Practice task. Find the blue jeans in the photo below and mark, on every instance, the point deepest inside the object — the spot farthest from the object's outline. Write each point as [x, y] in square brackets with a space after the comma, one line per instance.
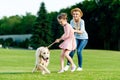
[81, 43]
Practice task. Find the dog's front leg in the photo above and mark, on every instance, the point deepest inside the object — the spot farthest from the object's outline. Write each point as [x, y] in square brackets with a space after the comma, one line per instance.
[45, 69]
[34, 69]
[43, 72]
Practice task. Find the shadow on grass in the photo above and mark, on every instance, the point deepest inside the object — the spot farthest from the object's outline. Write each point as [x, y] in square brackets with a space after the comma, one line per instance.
[16, 73]
[24, 72]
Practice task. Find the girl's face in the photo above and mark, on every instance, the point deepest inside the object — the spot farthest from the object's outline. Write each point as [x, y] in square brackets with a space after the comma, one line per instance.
[76, 15]
[62, 21]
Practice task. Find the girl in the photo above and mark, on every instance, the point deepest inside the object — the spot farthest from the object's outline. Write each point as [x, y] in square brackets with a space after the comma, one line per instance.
[69, 42]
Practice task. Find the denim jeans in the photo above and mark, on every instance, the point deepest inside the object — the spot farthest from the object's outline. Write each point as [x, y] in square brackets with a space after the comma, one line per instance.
[81, 43]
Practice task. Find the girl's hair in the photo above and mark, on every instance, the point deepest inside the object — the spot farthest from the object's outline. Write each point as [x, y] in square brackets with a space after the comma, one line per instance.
[62, 16]
[77, 9]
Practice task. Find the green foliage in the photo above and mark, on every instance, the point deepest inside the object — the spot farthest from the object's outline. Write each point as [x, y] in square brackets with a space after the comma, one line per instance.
[27, 22]
[1, 41]
[41, 29]
[24, 44]
[102, 22]
[7, 42]
[17, 24]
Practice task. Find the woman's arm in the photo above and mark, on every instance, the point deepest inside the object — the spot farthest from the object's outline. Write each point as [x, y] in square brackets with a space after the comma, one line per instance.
[82, 28]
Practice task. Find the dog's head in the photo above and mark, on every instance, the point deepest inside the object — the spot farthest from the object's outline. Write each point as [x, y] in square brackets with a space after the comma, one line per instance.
[44, 53]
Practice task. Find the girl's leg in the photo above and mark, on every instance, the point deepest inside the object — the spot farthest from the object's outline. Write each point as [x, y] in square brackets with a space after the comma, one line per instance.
[66, 53]
[73, 52]
[71, 55]
[62, 59]
[68, 63]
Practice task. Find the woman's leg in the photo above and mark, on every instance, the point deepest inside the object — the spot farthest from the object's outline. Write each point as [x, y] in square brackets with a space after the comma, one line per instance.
[81, 46]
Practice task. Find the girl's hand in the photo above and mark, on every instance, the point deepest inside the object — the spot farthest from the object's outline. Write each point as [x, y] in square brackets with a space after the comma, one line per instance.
[57, 40]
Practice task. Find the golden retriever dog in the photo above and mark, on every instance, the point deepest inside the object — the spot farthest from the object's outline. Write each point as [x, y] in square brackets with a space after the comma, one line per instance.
[42, 60]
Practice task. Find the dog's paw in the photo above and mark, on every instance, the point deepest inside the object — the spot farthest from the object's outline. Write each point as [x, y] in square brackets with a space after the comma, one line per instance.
[33, 70]
[43, 72]
[49, 72]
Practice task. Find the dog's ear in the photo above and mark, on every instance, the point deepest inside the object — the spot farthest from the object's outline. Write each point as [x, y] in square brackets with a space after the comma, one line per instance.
[46, 47]
[48, 51]
[40, 51]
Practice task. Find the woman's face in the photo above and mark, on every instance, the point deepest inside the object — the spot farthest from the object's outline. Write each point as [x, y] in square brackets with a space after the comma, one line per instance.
[76, 15]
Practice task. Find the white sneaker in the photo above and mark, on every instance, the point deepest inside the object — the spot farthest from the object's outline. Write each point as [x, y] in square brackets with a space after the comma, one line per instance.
[79, 69]
[73, 68]
[66, 68]
[61, 71]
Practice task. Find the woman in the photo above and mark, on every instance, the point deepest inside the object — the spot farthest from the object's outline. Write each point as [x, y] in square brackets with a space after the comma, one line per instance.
[80, 34]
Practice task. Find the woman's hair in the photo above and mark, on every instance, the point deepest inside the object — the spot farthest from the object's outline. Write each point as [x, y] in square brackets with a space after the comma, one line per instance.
[77, 9]
[62, 16]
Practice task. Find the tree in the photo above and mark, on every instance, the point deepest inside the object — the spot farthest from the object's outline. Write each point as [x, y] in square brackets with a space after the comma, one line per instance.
[8, 24]
[27, 22]
[41, 29]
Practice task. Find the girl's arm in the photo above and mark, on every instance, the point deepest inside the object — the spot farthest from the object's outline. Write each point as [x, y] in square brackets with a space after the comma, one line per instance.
[66, 32]
[65, 35]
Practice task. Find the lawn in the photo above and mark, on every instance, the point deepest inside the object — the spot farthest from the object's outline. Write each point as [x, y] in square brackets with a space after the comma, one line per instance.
[17, 64]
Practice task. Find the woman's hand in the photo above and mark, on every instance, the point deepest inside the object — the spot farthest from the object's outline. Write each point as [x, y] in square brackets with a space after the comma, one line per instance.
[78, 31]
[75, 30]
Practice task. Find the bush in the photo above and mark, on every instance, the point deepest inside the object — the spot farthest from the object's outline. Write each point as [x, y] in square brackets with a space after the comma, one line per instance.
[8, 42]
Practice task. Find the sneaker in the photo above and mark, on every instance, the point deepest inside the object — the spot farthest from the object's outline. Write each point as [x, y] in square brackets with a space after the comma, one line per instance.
[61, 71]
[66, 68]
[79, 69]
[73, 68]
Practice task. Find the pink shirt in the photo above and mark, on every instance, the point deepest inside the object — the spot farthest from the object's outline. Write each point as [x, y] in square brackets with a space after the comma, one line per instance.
[69, 38]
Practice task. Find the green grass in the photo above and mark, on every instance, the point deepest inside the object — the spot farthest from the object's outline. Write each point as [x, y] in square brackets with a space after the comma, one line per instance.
[17, 64]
